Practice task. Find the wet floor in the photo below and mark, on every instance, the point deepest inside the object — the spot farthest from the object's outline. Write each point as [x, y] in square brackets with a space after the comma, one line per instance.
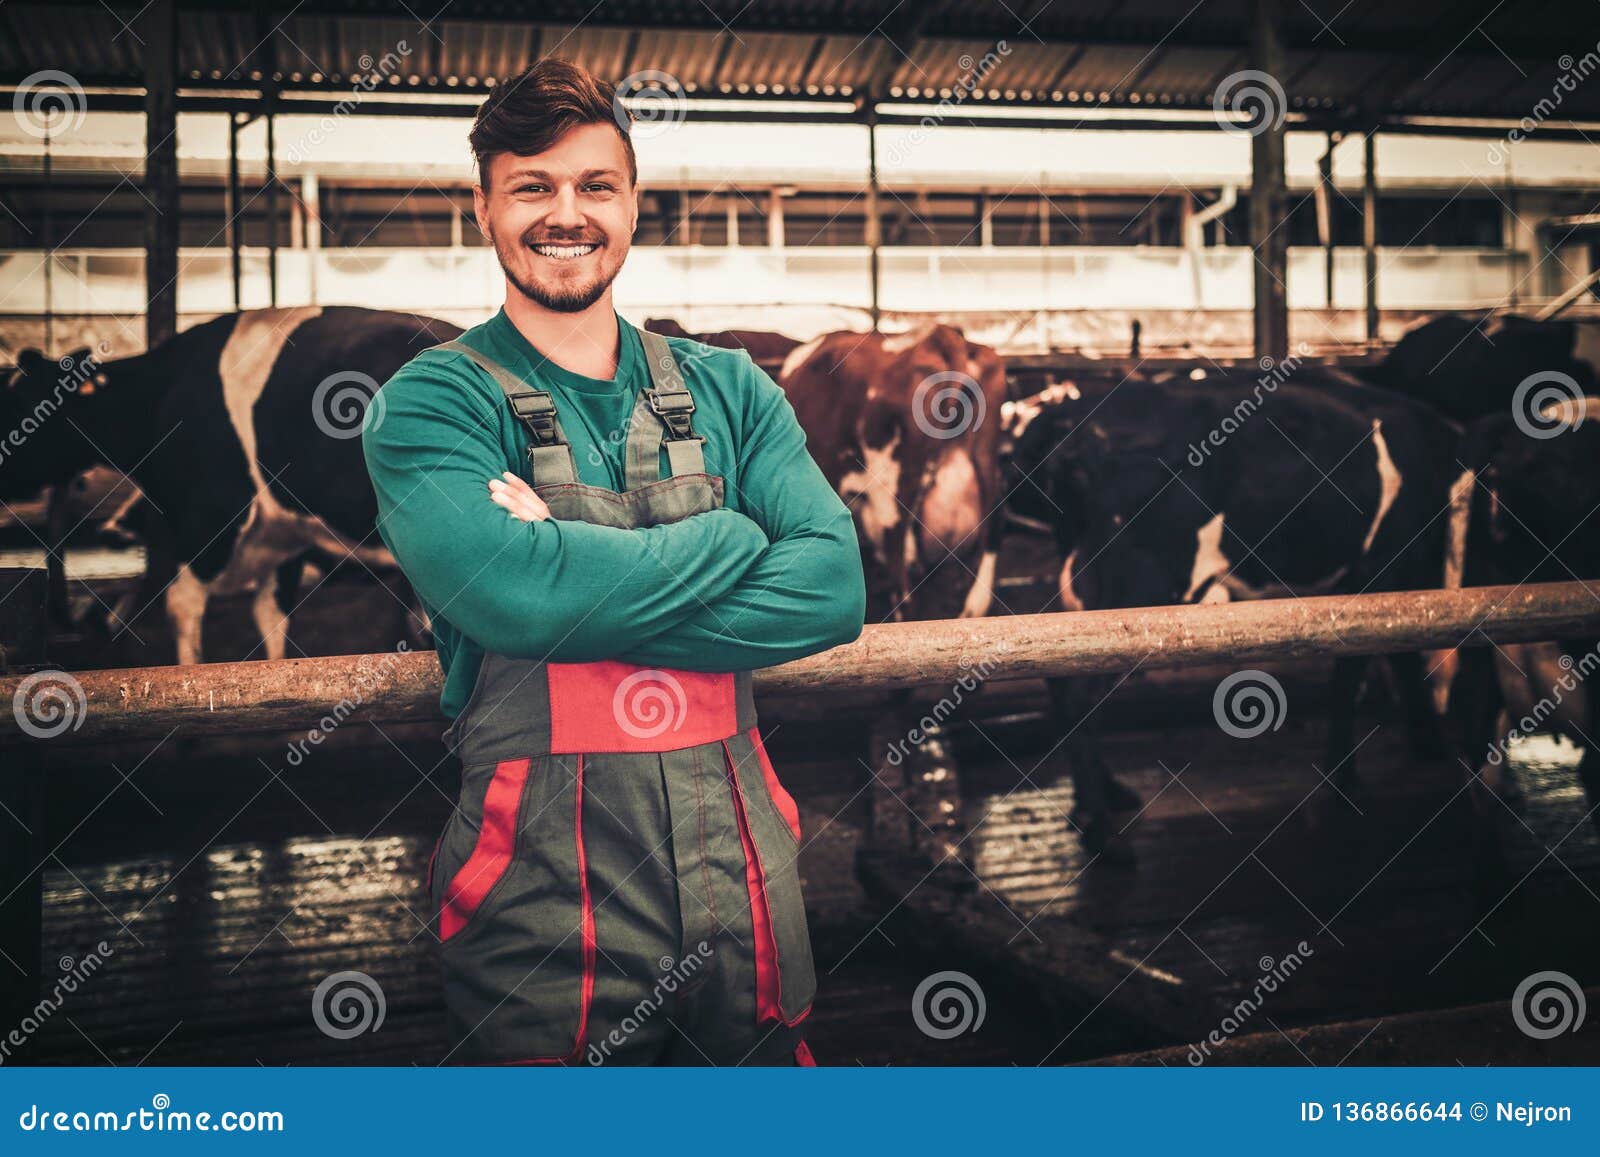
[228, 887]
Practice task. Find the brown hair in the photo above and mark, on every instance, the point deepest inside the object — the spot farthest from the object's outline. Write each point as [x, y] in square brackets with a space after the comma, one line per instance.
[534, 109]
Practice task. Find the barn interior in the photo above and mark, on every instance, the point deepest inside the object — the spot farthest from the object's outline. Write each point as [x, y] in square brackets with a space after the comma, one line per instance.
[1135, 191]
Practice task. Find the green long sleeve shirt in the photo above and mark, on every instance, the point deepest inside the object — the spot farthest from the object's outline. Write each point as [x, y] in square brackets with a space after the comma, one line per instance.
[773, 576]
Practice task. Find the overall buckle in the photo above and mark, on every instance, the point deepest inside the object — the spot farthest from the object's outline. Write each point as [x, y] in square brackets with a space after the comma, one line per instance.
[538, 410]
[673, 407]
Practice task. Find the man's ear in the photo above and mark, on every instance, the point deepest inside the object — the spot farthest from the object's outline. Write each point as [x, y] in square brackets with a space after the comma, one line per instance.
[634, 227]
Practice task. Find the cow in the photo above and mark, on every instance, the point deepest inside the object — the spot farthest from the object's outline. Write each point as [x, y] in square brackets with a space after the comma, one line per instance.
[765, 347]
[242, 435]
[1300, 482]
[1526, 508]
[1471, 367]
[907, 428]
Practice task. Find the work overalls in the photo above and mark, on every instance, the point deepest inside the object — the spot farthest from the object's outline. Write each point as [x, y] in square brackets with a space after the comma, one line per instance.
[619, 882]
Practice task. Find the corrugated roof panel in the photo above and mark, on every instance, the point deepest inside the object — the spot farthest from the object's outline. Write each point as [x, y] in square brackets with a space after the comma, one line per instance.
[1107, 68]
[1423, 56]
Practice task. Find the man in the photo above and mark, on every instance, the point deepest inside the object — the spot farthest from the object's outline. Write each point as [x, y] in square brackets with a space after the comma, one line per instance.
[609, 530]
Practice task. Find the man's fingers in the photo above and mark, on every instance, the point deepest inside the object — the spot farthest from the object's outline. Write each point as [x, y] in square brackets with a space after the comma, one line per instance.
[521, 502]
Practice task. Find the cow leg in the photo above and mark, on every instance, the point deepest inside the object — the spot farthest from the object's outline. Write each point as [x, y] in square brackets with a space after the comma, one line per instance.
[273, 604]
[981, 596]
[186, 610]
[1346, 686]
[1422, 716]
[1094, 788]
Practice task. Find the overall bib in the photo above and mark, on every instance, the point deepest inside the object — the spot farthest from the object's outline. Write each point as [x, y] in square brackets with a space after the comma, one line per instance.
[619, 881]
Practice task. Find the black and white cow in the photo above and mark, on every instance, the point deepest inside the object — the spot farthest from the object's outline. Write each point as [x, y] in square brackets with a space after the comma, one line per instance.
[1470, 366]
[243, 436]
[1237, 486]
[1527, 510]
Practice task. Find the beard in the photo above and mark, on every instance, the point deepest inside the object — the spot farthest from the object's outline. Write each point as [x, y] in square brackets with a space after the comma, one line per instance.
[559, 296]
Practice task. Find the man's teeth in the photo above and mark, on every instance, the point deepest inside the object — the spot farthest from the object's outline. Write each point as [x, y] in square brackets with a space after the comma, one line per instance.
[564, 251]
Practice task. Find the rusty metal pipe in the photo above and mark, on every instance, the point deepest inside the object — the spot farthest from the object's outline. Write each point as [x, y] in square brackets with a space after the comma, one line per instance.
[288, 694]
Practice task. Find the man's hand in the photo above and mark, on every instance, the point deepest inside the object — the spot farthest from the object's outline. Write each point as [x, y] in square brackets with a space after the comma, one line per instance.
[518, 498]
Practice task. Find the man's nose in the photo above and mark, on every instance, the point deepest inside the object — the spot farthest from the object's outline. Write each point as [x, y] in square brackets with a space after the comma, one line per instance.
[564, 212]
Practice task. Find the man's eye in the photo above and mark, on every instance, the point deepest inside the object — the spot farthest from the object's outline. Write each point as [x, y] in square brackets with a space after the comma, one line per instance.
[531, 189]
[601, 188]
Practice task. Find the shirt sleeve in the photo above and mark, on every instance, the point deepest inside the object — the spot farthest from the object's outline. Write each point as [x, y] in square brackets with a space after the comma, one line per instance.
[806, 592]
[560, 590]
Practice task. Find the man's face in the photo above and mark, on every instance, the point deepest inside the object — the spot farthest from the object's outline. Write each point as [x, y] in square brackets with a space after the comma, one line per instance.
[561, 221]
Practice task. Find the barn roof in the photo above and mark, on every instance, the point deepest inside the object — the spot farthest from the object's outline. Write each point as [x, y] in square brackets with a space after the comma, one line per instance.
[1361, 60]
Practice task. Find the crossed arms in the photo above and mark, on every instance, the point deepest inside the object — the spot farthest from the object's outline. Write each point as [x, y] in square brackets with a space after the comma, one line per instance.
[732, 589]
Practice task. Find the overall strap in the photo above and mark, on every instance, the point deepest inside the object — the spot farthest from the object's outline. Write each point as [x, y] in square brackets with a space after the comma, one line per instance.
[661, 416]
[549, 453]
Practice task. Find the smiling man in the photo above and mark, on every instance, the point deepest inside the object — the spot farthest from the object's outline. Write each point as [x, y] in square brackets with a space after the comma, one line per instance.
[609, 530]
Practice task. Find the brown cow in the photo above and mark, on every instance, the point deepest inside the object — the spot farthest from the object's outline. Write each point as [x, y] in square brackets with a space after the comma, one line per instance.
[764, 347]
[907, 427]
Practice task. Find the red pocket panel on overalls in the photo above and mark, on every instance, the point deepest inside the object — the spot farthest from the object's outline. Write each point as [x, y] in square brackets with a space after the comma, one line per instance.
[781, 799]
[491, 855]
[615, 706]
[782, 950]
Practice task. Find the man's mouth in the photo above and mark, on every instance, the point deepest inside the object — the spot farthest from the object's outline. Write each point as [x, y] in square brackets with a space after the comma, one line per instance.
[564, 252]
